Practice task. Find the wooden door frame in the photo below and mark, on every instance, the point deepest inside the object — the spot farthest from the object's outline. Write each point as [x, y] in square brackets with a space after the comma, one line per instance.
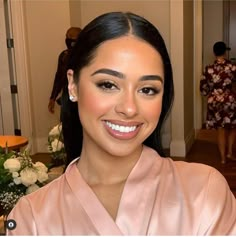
[22, 70]
[226, 11]
[6, 109]
[198, 41]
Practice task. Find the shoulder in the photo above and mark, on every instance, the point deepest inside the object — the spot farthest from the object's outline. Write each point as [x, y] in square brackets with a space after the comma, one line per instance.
[200, 173]
[35, 207]
[42, 204]
[46, 192]
[185, 166]
[218, 204]
[185, 175]
[182, 169]
[207, 189]
[230, 63]
[206, 181]
[53, 190]
[192, 180]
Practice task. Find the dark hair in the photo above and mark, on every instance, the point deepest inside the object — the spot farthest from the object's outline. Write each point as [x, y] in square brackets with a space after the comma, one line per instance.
[114, 25]
[220, 48]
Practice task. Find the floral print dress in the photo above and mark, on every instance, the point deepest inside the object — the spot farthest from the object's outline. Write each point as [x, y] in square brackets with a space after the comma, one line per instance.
[217, 84]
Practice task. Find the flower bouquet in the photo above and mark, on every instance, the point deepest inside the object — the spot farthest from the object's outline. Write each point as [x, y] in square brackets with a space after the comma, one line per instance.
[19, 176]
[56, 146]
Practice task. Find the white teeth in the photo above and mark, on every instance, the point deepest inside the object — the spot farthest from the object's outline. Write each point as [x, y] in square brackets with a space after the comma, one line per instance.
[119, 128]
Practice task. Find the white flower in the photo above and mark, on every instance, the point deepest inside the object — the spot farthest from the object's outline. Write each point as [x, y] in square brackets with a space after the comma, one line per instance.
[210, 100]
[19, 175]
[12, 165]
[15, 174]
[210, 70]
[57, 145]
[42, 176]
[40, 166]
[17, 180]
[227, 68]
[28, 176]
[32, 188]
[55, 130]
[50, 147]
[227, 120]
[216, 78]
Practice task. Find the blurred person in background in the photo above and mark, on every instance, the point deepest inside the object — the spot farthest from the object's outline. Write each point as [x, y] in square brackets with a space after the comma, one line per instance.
[217, 84]
[69, 110]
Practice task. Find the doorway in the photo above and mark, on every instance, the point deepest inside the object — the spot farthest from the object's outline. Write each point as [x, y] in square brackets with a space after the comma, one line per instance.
[6, 105]
[229, 27]
[15, 115]
[12, 68]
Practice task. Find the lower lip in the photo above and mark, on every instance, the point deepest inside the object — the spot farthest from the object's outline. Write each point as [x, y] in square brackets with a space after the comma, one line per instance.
[122, 135]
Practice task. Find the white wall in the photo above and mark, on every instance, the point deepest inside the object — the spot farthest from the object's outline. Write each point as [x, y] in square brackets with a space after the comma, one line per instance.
[75, 13]
[156, 11]
[189, 133]
[213, 28]
[212, 32]
[46, 23]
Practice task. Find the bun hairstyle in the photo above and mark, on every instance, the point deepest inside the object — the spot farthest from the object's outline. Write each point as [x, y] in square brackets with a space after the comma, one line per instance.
[220, 48]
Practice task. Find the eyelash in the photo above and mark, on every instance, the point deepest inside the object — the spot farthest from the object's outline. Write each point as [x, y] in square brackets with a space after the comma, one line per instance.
[110, 86]
[107, 85]
[151, 91]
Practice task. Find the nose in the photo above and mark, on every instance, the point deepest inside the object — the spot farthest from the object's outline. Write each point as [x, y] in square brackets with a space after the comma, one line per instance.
[127, 105]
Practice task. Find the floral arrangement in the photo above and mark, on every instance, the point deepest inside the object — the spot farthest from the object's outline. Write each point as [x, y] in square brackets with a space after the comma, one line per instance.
[56, 145]
[19, 176]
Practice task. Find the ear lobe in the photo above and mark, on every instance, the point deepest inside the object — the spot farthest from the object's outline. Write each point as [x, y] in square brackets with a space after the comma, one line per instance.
[72, 87]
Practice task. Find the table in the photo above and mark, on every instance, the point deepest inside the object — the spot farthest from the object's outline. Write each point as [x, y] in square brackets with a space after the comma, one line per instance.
[2, 231]
[13, 142]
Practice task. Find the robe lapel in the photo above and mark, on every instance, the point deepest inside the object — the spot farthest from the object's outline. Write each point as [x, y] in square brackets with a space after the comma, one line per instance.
[136, 202]
[98, 215]
[139, 194]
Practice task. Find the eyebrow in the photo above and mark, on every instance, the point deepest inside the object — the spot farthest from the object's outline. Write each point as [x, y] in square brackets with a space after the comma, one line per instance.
[109, 72]
[122, 76]
[152, 78]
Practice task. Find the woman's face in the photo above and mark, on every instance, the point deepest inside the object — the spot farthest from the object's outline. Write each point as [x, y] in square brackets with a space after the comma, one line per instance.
[120, 95]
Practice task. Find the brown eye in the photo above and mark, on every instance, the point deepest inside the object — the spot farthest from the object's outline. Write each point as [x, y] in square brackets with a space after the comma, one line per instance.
[149, 91]
[107, 85]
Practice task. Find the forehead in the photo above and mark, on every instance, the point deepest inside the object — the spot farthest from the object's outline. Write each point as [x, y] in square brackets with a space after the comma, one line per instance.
[127, 43]
[128, 49]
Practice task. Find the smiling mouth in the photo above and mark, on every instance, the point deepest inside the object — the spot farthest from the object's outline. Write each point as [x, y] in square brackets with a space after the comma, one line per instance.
[121, 128]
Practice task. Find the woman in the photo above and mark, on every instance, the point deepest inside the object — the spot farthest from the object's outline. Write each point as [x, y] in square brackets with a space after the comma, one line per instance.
[217, 85]
[120, 185]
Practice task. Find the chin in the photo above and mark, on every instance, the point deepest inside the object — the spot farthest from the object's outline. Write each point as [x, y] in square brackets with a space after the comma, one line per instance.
[123, 151]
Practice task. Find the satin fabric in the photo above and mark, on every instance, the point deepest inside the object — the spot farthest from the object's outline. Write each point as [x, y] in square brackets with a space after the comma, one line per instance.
[160, 197]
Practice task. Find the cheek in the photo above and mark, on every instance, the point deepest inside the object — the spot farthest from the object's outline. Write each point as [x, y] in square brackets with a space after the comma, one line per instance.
[152, 111]
[92, 103]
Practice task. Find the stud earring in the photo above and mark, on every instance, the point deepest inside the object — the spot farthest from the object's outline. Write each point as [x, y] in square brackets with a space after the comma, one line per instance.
[72, 98]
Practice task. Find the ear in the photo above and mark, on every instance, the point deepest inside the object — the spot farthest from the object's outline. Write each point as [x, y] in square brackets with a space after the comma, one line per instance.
[72, 86]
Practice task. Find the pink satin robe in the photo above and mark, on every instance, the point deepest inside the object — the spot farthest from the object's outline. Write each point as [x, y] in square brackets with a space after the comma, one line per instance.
[160, 197]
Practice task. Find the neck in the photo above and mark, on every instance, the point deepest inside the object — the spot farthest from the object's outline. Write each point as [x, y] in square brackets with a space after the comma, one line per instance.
[97, 166]
[220, 58]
